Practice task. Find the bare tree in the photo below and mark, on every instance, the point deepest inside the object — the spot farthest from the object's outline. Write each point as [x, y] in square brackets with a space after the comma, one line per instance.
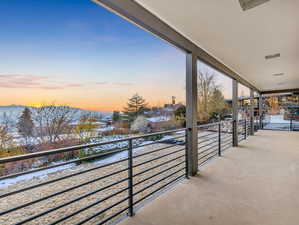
[53, 123]
[210, 98]
[5, 137]
[86, 128]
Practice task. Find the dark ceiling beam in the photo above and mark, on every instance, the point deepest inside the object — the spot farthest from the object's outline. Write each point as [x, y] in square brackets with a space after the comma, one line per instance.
[138, 15]
[280, 91]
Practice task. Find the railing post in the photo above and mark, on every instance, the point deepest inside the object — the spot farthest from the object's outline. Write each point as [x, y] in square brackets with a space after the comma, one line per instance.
[191, 113]
[235, 113]
[261, 110]
[251, 112]
[130, 178]
[245, 134]
[186, 157]
[291, 122]
[219, 139]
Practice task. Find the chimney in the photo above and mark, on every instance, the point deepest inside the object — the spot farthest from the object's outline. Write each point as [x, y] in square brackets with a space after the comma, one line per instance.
[173, 100]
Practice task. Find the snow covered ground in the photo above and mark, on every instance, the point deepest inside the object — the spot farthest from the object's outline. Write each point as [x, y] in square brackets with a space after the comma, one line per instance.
[39, 174]
[117, 156]
[278, 122]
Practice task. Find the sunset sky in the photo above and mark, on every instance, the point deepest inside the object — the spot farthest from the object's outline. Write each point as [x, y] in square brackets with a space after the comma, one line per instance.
[79, 54]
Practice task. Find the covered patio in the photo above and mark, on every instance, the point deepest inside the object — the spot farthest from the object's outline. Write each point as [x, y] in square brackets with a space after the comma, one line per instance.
[255, 183]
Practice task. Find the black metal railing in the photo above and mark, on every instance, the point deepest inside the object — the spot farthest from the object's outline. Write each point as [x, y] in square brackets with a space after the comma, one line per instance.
[93, 192]
[280, 123]
[104, 186]
[243, 130]
[213, 139]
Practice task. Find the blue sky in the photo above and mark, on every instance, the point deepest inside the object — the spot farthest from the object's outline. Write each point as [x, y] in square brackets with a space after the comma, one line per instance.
[80, 54]
[60, 49]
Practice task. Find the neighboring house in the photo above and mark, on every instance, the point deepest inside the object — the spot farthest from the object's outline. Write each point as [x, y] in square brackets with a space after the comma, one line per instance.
[159, 122]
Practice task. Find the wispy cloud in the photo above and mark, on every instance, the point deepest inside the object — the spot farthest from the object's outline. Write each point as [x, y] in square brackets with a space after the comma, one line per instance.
[101, 83]
[75, 85]
[21, 81]
[122, 84]
[114, 83]
[31, 82]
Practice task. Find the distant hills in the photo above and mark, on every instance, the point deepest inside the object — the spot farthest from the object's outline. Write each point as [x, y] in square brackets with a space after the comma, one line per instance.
[14, 111]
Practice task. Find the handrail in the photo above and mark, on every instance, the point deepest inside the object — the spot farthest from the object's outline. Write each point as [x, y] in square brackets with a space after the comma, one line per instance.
[209, 124]
[78, 147]
[160, 164]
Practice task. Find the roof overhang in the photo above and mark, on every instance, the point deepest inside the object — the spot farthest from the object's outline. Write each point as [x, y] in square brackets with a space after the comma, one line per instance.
[221, 34]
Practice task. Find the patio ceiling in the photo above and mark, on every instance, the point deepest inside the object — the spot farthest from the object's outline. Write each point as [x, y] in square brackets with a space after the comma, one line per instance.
[240, 39]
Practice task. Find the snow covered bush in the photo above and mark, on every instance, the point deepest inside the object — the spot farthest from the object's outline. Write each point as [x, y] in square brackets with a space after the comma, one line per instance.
[107, 147]
[140, 124]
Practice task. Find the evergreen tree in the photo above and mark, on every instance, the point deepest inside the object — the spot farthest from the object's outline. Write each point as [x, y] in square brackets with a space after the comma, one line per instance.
[25, 124]
[136, 106]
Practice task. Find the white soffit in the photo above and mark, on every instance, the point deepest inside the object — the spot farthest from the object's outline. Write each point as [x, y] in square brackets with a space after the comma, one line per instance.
[241, 39]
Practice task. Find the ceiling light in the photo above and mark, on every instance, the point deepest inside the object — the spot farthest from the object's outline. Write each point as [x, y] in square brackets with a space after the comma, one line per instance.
[249, 4]
[272, 56]
[278, 74]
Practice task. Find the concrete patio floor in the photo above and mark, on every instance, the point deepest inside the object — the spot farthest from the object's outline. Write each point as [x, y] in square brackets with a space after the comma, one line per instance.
[255, 183]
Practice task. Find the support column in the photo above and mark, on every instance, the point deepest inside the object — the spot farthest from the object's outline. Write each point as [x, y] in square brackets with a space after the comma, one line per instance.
[251, 112]
[191, 114]
[260, 111]
[235, 113]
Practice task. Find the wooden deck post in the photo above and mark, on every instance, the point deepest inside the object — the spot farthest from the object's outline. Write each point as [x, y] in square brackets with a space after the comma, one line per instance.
[251, 112]
[191, 114]
[235, 112]
[260, 111]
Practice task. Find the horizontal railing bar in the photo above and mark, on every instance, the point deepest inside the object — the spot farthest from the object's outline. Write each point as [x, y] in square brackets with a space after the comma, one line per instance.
[203, 146]
[226, 132]
[156, 150]
[66, 163]
[102, 211]
[205, 140]
[161, 164]
[163, 186]
[91, 205]
[159, 141]
[206, 155]
[55, 180]
[113, 215]
[226, 138]
[208, 141]
[201, 136]
[56, 151]
[208, 149]
[78, 147]
[158, 181]
[63, 191]
[163, 171]
[227, 141]
[209, 124]
[159, 157]
[227, 146]
[201, 163]
[67, 203]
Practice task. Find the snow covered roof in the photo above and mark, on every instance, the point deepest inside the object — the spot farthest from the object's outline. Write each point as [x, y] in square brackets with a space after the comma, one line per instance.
[158, 119]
